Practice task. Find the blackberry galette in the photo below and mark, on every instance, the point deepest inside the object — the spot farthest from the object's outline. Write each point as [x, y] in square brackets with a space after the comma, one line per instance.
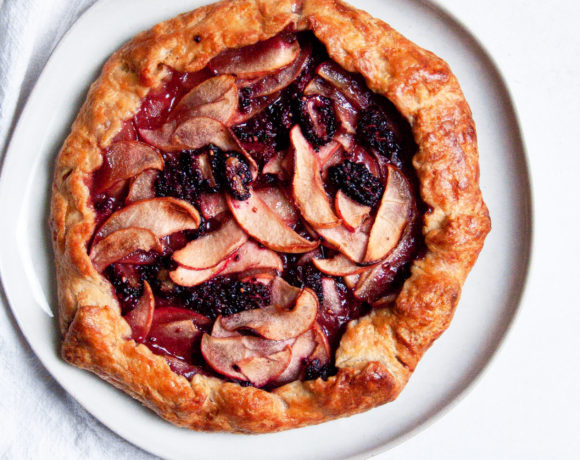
[264, 215]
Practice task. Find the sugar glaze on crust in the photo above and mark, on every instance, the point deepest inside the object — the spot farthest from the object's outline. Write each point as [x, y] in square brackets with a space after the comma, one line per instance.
[379, 351]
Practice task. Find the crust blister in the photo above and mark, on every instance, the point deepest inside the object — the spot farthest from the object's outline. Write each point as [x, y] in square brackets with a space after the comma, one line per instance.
[378, 352]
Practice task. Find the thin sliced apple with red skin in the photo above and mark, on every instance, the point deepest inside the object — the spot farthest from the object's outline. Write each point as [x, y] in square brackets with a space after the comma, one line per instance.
[141, 317]
[332, 301]
[302, 348]
[161, 216]
[189, 278]
[142, 187]
[213, 248]
[309, 194]
[279, 80]
[212, 204]
[224, 353]
[252, 257]
[198, 132]
[352, 213]
[277, 201]
[309, 346]
[392, 217]
[261, 370]
[261, 223]
[220, 332]
[352, 244]
[257, 60]
[347, 115]
[175, 338]
[339, 265]
[161, 137]
[346, 84]
[124, 160]
[322, 352]
[283, 293]
[215, 98]
[120, 244]
[256, 106]
[276, 323]
[279, 166]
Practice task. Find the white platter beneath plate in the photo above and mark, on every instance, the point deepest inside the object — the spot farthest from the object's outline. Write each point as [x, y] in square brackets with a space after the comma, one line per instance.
[489, 301]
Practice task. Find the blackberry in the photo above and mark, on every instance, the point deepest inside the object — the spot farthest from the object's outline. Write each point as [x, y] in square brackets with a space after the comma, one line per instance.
[269, 128]
[357, 182]
[317, 119]
[225, 296]
[306, 275]
[127, 284]
[375, 131]
[315, 369]
[233, 171]
[180, 177]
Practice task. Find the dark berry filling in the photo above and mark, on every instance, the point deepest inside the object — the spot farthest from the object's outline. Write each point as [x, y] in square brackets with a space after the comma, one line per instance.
[357, 182]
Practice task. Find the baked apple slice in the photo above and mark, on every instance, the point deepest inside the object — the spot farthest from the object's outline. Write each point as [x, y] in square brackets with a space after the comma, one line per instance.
[224, 354]
[277, 201]
[213, 248]
[124, 160]
[141, 317]
[120, 244]
[161, 216]
[161, 137]
[339, 265]
[276, 323]
[186, 277]
[350, 87]
[352, 244]
[215, 98]
[142, 187]
[261, 370]
[392, 217]
[307, 187]
[352, 213]
[260, 222]
[283, 294]
[256, 60]
[212, 205]
[279, 80]
[252, 257]
[198, 132]
[347, 115]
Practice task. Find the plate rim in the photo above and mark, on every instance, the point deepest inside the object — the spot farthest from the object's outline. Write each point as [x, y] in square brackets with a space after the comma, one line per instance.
[521, 289]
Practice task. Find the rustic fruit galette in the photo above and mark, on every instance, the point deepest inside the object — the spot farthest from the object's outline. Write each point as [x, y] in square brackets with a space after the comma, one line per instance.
[264, 215]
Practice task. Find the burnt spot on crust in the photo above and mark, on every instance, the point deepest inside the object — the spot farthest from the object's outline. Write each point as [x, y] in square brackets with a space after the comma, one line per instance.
[357, 182]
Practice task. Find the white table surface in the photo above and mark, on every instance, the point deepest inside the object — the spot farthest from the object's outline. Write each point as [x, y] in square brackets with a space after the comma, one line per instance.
[526, 403]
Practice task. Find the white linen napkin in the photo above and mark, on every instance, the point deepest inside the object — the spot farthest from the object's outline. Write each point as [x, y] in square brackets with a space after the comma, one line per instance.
[38, 419]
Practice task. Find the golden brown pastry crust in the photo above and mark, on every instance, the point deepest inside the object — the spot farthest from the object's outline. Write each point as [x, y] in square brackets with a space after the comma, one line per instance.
[378, 352]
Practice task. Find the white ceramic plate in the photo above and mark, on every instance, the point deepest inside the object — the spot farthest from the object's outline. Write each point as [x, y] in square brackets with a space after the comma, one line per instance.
[489, 300]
